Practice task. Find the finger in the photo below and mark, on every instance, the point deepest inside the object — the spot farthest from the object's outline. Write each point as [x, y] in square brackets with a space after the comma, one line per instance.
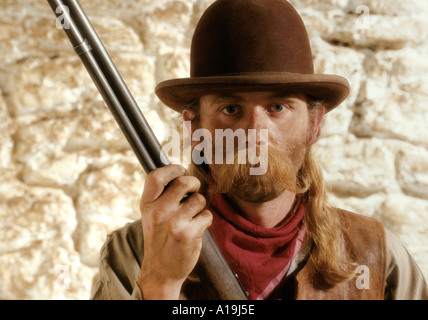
[183, 230]
[180, 187]
[201, 222]
[192, 206]
[157, 179]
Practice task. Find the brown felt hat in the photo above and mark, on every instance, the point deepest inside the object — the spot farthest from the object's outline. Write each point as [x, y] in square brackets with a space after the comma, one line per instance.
[251, 45]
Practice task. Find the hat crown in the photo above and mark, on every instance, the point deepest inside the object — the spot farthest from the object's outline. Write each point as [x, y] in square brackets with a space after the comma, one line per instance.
[250, 36]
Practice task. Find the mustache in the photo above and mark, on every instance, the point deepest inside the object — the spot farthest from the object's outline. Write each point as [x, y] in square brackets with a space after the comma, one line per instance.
[254, 156]
[279, 173]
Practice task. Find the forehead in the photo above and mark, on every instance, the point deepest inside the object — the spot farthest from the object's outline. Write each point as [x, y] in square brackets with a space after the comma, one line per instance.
[244, 97]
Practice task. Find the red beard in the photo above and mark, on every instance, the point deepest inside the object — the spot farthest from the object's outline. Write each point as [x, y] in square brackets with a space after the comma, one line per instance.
[281, 174]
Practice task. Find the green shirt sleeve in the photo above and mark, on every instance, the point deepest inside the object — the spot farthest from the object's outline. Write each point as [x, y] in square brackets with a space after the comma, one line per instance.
[404, 279]
[119, 267]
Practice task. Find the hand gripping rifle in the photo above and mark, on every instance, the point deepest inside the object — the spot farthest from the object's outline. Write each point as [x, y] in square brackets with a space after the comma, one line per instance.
[221, 282]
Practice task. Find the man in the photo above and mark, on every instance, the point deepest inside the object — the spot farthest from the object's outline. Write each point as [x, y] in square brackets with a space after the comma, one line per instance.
[251, 68]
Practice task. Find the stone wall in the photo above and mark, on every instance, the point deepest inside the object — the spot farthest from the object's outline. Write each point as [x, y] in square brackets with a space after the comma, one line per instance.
[68, 177]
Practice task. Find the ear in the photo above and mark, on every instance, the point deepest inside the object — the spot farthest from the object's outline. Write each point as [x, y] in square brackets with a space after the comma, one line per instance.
[317, 115]
[189, 115]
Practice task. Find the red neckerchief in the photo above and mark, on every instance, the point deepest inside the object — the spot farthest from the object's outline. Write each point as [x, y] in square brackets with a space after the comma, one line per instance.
[259, 256]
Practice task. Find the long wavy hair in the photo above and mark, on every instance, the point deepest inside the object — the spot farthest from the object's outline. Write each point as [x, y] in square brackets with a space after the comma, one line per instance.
[322, 221]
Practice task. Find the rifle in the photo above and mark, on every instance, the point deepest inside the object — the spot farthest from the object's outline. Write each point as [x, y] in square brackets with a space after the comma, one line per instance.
[222, 282]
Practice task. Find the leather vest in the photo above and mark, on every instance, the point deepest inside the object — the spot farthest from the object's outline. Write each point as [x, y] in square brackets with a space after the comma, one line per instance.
[363, 239]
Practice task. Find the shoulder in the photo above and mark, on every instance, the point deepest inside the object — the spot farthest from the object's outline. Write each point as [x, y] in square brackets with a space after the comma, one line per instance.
[119, 264]
[405, 280]
[359, 221]
[130, 234]
[124, 243]
[364, 238]
[365, 241]
[362, 229]
[370, 240]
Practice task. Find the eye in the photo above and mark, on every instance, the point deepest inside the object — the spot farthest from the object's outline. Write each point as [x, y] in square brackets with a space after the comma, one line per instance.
[230, 110]
[277, 108]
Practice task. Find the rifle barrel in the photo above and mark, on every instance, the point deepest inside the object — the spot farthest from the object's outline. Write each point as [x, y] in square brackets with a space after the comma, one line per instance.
[136, 130]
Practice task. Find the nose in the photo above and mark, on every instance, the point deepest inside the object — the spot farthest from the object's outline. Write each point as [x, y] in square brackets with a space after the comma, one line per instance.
[258, 123]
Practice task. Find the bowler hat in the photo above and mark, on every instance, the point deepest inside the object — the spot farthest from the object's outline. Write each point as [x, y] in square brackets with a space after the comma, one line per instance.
[251, 45]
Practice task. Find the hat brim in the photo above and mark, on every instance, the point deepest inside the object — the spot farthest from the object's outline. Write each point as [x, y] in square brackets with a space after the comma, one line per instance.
[178, 93]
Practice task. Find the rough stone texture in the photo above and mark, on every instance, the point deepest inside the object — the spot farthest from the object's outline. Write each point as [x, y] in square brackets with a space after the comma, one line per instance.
[68, 176]
[37, 252]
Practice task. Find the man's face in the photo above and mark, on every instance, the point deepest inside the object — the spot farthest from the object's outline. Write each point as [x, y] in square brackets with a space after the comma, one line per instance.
[291, 129]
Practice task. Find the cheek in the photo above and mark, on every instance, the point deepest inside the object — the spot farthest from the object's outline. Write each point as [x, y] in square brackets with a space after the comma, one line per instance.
[208, 122]
[290, 133]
